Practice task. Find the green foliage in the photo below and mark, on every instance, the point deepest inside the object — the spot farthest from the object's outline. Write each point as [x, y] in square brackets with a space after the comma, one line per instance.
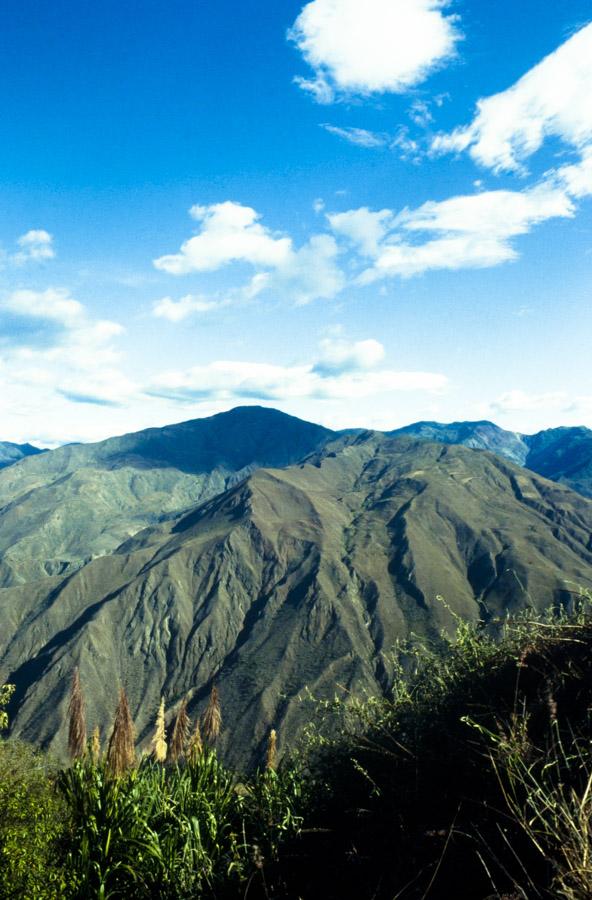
[406, 795]
[174, 831]
[33, 820]
[6, 692]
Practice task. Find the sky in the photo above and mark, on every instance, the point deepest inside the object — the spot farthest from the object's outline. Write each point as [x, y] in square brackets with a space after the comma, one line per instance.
[362, 212]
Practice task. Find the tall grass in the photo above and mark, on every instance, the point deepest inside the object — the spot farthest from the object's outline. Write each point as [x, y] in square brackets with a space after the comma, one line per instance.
[470, 778]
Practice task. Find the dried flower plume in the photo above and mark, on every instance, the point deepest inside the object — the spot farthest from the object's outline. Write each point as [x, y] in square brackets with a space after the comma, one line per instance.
[270, 761]
[121, 752]
[77, 722]
[159, 744]
[95, 745]
[180, 734]
[212, 718]
[195, 746]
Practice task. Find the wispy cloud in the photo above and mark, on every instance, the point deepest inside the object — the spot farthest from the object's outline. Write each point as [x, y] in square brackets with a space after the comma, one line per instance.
[358, 136]
[342, 371]
[371, 46]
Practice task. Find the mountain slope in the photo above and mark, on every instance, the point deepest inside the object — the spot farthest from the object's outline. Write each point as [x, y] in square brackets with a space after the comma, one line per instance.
[562, 454]
[11, 453]
[62, 508]
[296, 578]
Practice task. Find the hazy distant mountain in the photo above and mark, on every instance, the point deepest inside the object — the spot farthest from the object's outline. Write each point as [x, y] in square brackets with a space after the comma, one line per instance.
[11, 453]
[293, 578]
[562, 454]
[477, 435]
[61, 508]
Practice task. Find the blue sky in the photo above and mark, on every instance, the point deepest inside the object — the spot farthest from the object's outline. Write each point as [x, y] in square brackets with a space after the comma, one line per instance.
[363, 212]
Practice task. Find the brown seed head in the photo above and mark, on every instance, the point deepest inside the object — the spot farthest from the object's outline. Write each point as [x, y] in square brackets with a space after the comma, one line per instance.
[270, 761]
[95, 745]
[180, 733]
[121, 752]
[195, 746]
[211, 720]
[77, 722]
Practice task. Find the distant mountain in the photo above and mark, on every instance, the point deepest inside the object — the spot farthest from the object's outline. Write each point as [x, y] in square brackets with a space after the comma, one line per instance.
[477, 435]
[294, 578]
[12, 453]
[562, 454]
[60, 509]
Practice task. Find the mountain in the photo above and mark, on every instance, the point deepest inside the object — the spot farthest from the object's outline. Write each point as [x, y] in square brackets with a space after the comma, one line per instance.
[60, 509]
[562, 454]
[477, 435]
[294, 579]
[12, 453]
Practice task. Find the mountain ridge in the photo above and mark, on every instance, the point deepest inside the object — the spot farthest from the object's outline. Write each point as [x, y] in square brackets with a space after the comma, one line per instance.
[291, 580]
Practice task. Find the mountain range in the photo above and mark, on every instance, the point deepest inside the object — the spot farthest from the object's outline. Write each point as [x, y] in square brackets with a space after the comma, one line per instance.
[271, 557]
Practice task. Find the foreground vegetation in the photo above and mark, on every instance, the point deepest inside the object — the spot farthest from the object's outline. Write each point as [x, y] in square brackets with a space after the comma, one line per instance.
[471, 779]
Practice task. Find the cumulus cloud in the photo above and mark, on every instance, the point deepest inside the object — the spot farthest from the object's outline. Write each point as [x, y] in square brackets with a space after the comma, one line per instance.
[35, 246]
[80, 358]
[550, 100]
[363, 227]
[233, 232]
[309, 273]
[55, 304]
[372, 46]
[469, 231]
[343, 371]
[229, 232]
[178, 310]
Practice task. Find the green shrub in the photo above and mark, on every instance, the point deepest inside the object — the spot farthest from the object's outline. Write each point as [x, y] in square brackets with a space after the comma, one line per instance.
[33, 820]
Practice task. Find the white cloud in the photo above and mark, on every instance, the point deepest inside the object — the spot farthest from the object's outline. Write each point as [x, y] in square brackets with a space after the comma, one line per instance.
[78, 360]
[550, 100]
[420, 113]
[471, 231]
[229, 232]
[36, 246]
[309, 273]
[342, 356]
[520, 401]
[358, 136]
[178, 310]
[232, 232]
[407, 147]
[372, 46]
[54, 304]
[343, 371]
[363, 227]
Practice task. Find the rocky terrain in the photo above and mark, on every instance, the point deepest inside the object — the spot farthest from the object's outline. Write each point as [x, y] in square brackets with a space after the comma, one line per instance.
[293, 579]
